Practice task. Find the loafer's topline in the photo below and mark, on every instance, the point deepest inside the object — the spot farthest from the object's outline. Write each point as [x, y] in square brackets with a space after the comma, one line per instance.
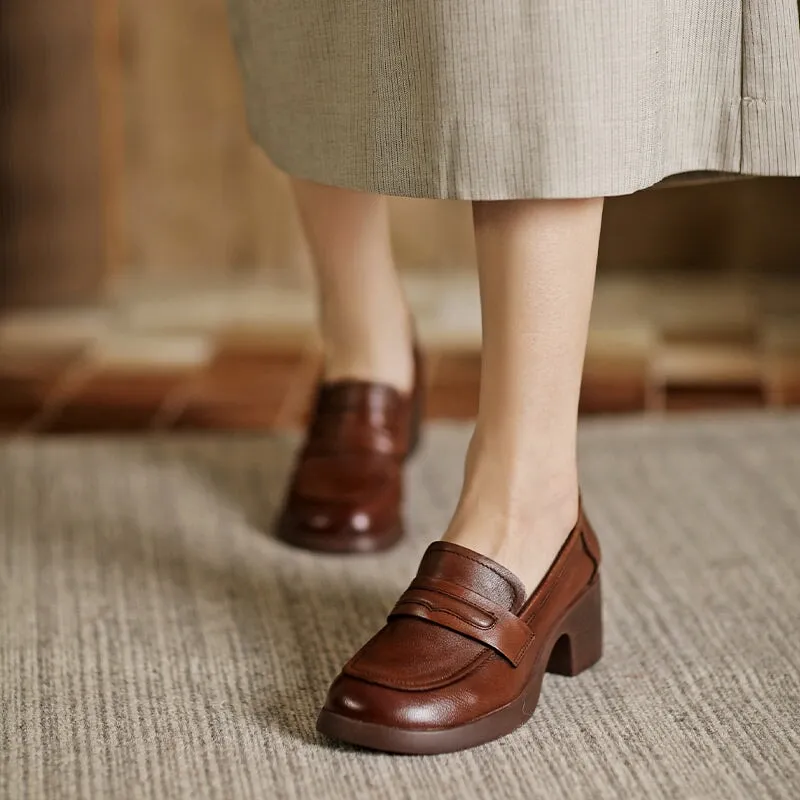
[462, 657]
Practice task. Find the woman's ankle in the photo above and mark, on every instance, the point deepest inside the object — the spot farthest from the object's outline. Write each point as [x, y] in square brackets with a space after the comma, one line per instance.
[523, 534]
[383, 355]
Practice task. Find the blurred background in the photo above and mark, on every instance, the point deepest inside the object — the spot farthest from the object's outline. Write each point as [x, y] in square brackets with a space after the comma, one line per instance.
[153, 274]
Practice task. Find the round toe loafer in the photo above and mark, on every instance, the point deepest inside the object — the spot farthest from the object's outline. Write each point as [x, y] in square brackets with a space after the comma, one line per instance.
[463, 654]
[345, 493]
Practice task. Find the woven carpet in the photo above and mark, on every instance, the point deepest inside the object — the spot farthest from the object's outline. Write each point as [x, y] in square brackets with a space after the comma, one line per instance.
[154, 643]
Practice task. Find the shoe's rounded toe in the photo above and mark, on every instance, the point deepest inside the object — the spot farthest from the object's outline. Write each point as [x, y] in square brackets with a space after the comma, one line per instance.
[354, 699]
[338, 529]
[343, 504]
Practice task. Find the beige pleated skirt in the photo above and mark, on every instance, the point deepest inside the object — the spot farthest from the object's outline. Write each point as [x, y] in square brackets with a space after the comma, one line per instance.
[499, 99]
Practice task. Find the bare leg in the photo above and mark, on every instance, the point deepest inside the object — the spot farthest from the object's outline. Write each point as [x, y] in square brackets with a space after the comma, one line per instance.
[364, 319]
[536, 264]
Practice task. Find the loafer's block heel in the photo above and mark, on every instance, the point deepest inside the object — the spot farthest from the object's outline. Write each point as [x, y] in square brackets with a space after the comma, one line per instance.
[580, 645]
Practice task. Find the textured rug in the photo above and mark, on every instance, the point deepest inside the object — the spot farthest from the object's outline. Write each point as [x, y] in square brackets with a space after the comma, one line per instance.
[154, 643]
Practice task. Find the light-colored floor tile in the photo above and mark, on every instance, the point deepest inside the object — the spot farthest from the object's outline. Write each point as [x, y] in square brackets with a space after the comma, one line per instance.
[211, 310]
[132, 351]
[707, 365]
[635, 341]
[265, 339]
[447, 309]
[270, 307]
[44, 330]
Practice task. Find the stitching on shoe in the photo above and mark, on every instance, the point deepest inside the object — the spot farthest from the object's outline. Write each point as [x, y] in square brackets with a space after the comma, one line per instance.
[446, 593]
[528, 643]
[431, 607]
[547, 596]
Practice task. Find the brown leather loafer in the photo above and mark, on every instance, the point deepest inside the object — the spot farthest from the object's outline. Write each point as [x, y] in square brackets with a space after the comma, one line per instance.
[346, 491]
[462, 657]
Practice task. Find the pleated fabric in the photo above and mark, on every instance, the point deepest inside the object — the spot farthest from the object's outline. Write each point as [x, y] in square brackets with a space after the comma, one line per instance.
[500, 99]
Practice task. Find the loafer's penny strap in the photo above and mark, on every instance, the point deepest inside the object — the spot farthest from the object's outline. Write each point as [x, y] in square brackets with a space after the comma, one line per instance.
[466, 612]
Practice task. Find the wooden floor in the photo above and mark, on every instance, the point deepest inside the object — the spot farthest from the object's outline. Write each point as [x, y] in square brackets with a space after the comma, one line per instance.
[269, 390]
[194, 364]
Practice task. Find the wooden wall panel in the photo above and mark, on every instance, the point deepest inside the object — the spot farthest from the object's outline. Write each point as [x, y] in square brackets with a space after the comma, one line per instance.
[732, 224]
[51, 218]
[201, 200]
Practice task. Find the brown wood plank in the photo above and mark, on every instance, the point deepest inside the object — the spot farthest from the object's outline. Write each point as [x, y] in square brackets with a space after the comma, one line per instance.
[52, 218]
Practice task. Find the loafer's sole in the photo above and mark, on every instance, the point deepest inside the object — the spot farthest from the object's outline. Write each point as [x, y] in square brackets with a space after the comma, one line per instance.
[576, 646]
[396, 740]
[342, 543]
